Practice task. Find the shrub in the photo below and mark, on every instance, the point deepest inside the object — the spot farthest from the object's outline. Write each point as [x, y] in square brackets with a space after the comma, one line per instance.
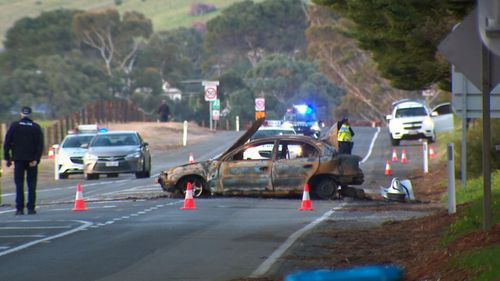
[475, 148]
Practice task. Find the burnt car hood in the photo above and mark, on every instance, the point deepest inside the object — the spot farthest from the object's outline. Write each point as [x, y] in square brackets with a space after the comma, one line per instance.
[245, 137]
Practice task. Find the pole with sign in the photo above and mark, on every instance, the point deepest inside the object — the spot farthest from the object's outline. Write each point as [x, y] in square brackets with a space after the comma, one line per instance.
[260, 108]
[210, 96]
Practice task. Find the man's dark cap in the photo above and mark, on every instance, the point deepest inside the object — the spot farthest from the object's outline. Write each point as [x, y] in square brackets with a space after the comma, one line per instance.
[26, 110]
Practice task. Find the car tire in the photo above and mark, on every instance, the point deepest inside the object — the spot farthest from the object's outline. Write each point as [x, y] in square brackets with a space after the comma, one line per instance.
[326, 189]
[198, 186]
[144, 173]
[88, 176]
[394, 142]
[63, 176]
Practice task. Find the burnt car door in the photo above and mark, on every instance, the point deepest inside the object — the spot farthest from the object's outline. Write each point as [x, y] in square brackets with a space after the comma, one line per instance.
[296, 161]
[247, 168]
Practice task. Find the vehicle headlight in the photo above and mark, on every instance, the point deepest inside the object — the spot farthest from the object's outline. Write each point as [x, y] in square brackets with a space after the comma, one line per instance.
[288, 125]
[136, 154]
[395, 125]
[89, 157]
[428, 122]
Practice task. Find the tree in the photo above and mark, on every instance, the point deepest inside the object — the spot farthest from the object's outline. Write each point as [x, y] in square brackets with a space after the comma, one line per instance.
[176, 53]
[284, 82]
[402, 36]
[116, 38]
[48, 34]
[251, 30]
[60, 84]
[349, 67]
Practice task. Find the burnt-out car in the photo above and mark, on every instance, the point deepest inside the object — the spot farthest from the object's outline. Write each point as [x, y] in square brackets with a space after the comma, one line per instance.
[275, 171]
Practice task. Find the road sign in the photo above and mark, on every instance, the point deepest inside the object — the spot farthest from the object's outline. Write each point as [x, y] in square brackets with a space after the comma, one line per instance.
[210, 94]
[462, 48]
[215, 114]
[210, 90]
[260, 104]
[216, 104]
[473, 99]
[260, 114]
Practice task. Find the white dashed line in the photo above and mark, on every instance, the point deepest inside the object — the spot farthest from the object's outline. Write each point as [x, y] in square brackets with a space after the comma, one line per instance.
[84, 225]
[35, 227]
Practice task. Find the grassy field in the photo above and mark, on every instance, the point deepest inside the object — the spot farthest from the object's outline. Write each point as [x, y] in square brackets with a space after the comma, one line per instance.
[165, 14]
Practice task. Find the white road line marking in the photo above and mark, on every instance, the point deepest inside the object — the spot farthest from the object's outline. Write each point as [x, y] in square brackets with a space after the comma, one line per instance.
[84, 225]
[36, 227]
[22, 236]
[3, 247]
[372, 144]
[266, 265]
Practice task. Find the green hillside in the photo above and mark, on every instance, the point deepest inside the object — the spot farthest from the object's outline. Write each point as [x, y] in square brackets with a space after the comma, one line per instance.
[165, 14]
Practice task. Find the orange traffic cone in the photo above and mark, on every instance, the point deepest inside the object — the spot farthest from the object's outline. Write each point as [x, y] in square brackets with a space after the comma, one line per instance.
[404, 160]
[388, 171]
[79, 202]
[51, 153]
[306, 200]
[394, 155]
[191, 158]
[431, 152]
[188, 200]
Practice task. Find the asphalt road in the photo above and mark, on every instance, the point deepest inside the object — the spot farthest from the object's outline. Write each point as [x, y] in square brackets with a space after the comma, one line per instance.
[130, 232]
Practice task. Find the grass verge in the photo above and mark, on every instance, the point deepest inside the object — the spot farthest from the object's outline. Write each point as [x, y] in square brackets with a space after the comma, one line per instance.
[484, 261]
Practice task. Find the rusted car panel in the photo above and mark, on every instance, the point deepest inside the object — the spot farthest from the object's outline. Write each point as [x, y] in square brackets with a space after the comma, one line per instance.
[277, 165]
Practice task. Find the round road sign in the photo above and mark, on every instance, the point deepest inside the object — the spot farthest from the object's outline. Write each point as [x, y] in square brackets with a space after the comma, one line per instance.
[210, 93]
[260, 104]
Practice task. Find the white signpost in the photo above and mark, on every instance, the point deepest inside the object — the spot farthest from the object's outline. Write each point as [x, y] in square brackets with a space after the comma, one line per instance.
[260, 104]
[210, 96]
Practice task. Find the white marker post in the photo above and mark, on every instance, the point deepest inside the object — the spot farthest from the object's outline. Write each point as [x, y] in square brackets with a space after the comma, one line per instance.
[56, 164]
[425, 151]
[237, 123]
[185, 133]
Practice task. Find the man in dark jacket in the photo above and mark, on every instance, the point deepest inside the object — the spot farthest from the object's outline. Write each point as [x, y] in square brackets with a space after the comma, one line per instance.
[24, 145]
[163, 111]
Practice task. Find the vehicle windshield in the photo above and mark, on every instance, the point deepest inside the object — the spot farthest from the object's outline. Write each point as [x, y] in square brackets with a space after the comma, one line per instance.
[115, 140]
[269, 133]
[412, 111]
[76, 141]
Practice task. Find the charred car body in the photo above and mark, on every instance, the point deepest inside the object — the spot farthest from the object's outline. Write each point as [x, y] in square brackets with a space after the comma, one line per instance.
[275, 172]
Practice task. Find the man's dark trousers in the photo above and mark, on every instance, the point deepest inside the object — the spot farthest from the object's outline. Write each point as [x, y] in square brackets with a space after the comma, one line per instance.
[22, 167]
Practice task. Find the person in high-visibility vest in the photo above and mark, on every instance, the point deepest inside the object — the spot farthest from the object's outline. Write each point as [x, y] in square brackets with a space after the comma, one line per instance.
[344, 136]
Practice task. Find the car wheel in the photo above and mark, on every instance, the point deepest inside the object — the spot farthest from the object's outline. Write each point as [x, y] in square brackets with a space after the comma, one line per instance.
[112, 175]
[326, 189]
[144, 173]
[91, 176]
[394, 142]
[197, 184]
[63, 176]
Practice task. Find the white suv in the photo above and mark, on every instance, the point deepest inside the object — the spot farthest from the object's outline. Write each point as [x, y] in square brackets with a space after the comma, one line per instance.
[410, 119]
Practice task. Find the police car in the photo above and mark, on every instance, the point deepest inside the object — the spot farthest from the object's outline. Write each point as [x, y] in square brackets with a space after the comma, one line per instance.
[69, 154]
[303, 120]
[270, 128]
